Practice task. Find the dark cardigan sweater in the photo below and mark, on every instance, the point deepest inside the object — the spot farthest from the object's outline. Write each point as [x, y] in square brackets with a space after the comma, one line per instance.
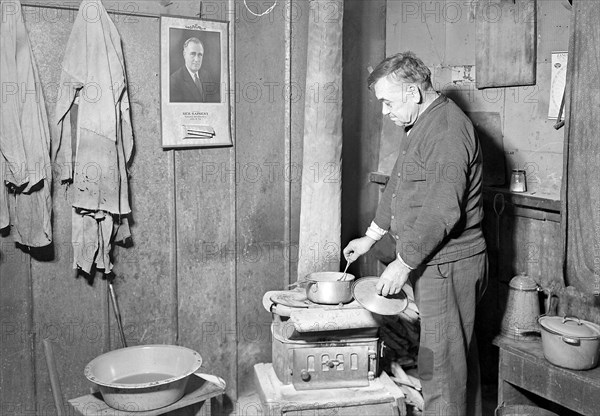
[432, 203]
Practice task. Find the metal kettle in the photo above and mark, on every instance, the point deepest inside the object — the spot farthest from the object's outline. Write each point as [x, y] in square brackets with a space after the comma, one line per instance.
[522, 310]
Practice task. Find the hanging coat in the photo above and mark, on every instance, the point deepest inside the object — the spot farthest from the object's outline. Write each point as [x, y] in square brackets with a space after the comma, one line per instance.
[94, 96]
[26, 173]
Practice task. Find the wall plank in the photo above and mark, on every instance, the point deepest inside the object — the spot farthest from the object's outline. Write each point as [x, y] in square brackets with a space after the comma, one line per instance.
[260, 162]
[205, 258]
[17, 333]
[146, 281]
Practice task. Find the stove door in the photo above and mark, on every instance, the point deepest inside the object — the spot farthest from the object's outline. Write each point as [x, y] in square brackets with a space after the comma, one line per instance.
[333, 367]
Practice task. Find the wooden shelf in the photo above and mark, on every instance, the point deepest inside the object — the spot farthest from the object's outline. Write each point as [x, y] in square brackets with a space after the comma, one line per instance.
[524, 199]
[525, 204]
[523, 368]
[198, 395]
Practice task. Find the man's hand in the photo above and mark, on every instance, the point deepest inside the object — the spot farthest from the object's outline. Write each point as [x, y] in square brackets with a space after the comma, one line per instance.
[357, 248]
[392, 279]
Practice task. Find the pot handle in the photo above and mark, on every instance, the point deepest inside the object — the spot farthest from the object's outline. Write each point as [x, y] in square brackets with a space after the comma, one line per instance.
[571, 318]
[571, 341]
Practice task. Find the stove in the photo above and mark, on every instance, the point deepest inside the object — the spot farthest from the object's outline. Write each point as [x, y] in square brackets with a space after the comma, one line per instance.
[324, 357]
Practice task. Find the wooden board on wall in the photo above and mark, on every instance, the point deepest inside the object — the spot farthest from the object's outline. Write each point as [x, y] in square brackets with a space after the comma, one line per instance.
[17, 331]
[261, 185]
[506, 43]
[146, 281]
[206, 257]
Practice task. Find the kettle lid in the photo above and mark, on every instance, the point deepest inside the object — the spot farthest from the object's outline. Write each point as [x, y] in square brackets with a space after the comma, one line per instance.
[523, 282]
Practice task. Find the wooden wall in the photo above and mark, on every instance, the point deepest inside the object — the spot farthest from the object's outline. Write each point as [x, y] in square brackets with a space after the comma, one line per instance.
[443, 34]
[212, 228]
[525, 237]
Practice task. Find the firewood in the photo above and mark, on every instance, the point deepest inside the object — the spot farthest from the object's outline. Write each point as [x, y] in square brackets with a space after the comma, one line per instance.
[400, 375]
[412, 396]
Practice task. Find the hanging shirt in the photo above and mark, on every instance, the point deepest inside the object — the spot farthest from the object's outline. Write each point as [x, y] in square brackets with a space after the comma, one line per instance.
[25, 201]
[93, 77]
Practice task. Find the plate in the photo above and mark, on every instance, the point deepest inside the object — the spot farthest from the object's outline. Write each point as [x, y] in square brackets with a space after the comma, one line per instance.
[291, 298]
[365, 292]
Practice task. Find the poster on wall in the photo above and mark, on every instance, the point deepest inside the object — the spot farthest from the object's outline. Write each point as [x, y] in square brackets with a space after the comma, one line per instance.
[194, 83]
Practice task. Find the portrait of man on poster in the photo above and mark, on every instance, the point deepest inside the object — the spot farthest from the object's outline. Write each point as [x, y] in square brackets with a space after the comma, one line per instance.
[195, 67]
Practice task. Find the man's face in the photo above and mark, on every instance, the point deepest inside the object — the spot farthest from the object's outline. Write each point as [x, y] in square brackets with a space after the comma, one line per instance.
[399, 101]
[193, 54]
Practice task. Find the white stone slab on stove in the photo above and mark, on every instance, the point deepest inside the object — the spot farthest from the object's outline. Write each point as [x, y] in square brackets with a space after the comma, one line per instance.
[332, 318]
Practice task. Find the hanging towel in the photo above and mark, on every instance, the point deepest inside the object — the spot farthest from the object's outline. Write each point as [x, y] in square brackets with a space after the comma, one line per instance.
[25, 201]
[93, 155]
[580, 193]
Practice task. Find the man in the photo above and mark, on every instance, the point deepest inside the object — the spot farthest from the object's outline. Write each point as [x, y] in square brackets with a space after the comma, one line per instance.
[187, 83]
[432, 207]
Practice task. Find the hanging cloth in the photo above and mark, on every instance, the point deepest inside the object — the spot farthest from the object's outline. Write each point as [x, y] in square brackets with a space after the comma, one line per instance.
[25, 170]
[580, 193]
[93, 156]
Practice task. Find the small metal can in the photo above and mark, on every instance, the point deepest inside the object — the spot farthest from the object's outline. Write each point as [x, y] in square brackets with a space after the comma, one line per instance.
[518, 182]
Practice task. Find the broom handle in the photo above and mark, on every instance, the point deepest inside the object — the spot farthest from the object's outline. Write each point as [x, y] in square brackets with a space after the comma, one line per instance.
[54, 382]
[113, 298]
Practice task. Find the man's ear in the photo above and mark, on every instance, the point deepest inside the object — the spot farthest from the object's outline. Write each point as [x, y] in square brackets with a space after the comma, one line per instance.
[415, 93]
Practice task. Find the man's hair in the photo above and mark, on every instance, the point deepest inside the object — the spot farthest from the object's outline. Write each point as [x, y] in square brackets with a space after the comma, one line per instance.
[402, 67]
[192, 40]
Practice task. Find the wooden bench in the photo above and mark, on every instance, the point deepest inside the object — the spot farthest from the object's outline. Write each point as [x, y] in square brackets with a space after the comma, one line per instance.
[199, 398]
[525, 374]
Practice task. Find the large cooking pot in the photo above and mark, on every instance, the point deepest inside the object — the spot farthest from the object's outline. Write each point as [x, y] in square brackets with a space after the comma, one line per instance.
[570, 342]
[144, 377]
[327, 288]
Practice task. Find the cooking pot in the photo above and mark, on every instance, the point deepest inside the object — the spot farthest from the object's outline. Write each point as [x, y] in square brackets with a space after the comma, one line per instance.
[326, 288]
[144, 377]
[570, 342]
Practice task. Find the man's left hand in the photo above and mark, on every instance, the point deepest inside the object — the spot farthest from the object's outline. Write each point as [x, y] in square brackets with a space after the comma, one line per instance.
[392, 279]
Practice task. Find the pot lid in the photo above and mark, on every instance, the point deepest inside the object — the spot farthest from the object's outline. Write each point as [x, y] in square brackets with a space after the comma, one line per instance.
[523, 282]
[570, 326]
[365, 292]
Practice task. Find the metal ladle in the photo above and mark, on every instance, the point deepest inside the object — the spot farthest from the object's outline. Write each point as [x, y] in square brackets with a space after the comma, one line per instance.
[343, 277]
